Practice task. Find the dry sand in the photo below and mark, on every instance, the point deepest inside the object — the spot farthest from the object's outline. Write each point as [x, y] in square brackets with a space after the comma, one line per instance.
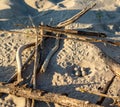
[60, 76]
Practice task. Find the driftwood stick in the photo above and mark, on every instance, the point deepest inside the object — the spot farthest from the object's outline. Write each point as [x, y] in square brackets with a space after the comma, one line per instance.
[85, 39]
[105, 90]
[54, 49]
[35, 63]
[77, 16]
[43, 96]
[19, 59]
[86, 33]
[68, 31]
[22, 67]
[116, 99]
[77, 32]
[77, 36]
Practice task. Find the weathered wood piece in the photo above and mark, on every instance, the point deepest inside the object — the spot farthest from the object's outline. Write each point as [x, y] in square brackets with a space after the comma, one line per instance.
[43, 96]
[80, 37]
[116, 99]
[19, 59]
[74, 31]
[105, 90]
[46, 62]
[35, 63]
[77, 16]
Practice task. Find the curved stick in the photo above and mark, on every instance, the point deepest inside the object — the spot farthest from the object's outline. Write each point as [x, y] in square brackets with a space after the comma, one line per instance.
[76, 17]
[45, 64]
[19, 59]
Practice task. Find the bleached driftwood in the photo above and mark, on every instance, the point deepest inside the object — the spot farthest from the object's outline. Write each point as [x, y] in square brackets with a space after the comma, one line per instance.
[54, 49]
[44, 96]
[19, 59]
[116, 99]
[77, 16]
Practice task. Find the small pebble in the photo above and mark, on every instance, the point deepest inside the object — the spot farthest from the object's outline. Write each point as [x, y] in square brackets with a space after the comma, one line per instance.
[75, 68]
[87, 102]
[13, 105]
[84, 73]
[77, 73]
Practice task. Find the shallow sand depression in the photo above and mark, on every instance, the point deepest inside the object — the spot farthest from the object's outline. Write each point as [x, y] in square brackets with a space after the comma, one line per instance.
[76, 63]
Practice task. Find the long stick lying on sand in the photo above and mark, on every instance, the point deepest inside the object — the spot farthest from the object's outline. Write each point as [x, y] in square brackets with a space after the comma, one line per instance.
[77, 16]
[53, 50]
[116, 99]
[43, 96]
[77, 32]
[19, 59]
[105, 90]
[77, 36]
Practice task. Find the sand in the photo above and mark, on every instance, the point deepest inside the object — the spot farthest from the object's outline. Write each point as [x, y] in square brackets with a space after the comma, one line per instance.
[60, 76]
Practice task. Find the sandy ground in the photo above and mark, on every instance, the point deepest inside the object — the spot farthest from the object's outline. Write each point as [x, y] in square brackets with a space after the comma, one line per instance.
[60, 76]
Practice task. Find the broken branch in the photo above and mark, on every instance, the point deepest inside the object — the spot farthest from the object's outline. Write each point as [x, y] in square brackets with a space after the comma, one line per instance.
[116, 99]
[105, 90]
[76, 17]
[19, 59]
[77, 36]
[43, 96]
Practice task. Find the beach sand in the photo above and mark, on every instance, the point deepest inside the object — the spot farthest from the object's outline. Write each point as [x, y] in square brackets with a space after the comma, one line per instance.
[60, 76]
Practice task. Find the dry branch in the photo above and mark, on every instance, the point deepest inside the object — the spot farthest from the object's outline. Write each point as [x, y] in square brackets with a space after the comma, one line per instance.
[116, 99]
[77, 16]
[54, 49]
[19, 59]
[35, 63]
[43, 96]
[78, 36]
[22, 66]
[105, 90]
[77, 32]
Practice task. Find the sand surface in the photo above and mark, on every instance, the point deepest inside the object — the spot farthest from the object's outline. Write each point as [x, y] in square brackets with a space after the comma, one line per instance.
[60, 76]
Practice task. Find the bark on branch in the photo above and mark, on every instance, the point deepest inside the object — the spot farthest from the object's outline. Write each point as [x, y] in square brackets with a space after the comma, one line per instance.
[77, 35]
[43, 96]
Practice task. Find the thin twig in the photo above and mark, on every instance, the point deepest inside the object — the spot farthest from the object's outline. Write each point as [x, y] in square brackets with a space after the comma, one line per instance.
[105, 90]
[35, 61]
[45, 64]
[77, 16]
[19, 59]
[116, 99]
